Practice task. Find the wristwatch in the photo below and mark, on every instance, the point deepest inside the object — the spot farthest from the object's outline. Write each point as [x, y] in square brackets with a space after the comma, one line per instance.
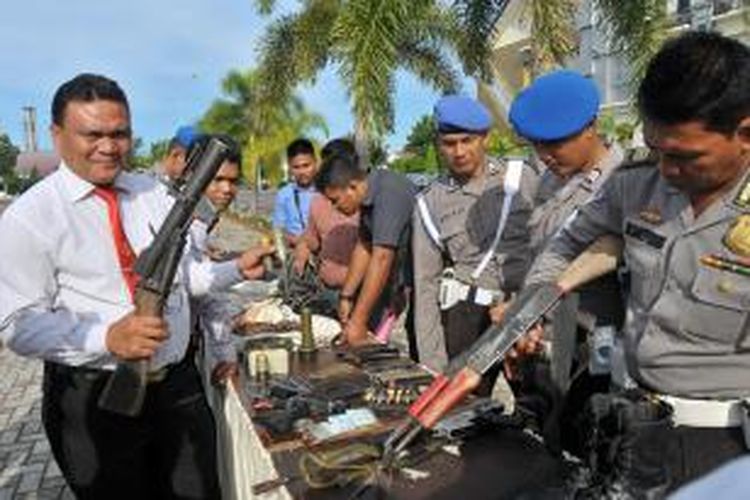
[343, 296]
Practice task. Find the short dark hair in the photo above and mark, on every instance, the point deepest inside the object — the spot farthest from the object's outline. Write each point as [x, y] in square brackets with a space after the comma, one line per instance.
[234, 155]
[340, 146]
[86, 87]
[299, 146]
[338, 171]
[698, 76]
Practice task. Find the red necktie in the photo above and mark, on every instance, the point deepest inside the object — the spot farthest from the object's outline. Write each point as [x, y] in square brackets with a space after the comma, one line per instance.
[125, 254]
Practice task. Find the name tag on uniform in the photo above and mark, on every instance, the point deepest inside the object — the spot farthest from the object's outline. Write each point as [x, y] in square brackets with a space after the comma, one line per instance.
[645, 235]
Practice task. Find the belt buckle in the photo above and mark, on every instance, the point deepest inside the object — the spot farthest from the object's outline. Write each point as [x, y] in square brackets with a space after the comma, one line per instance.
[156, 376]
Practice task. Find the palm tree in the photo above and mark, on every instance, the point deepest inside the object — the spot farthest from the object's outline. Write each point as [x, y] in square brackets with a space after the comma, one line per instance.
[262, 128]
[637, 28]
[368, 41]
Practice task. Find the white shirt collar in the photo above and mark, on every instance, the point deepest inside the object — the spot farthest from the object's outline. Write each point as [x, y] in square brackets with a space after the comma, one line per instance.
[77, 188]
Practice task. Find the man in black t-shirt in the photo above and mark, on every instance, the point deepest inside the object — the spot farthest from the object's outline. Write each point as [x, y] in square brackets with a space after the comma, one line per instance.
[380, 265]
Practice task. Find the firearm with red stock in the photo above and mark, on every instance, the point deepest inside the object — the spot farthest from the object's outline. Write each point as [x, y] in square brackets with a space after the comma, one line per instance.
[464, 373]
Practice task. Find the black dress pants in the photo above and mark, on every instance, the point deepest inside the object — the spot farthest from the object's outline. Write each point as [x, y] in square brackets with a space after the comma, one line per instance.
[463, 324]
[168, 452]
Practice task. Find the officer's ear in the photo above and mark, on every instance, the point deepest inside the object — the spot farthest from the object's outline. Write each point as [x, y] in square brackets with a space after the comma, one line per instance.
[486, 139]
[743, 134]
[56, 133]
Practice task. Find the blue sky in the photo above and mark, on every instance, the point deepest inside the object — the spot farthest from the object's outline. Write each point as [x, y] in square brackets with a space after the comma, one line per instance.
[168, 55]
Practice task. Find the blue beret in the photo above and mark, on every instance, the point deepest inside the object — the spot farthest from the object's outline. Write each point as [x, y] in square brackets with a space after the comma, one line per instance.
[555, 106]
[457, 113]
[186, 136]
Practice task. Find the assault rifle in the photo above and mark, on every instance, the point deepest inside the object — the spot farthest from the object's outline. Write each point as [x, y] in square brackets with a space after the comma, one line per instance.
[156, 266]
[464, 373]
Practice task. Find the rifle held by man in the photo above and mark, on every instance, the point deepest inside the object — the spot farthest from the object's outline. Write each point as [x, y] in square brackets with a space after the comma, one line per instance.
[156, 266]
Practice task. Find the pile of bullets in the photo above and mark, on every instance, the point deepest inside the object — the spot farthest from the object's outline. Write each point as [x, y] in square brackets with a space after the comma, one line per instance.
[390, 395]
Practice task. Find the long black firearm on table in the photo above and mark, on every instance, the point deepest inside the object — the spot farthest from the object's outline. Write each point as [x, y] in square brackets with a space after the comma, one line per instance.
[156, 267]
[464, 373]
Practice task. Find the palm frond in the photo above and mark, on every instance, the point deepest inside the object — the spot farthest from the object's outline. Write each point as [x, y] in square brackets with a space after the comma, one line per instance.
[553, 32]
[367, 36]
[313, 34]
[265, 7]
[277, 71]
[637, 28]
[295, 48]
[477, 19]
[430, 65]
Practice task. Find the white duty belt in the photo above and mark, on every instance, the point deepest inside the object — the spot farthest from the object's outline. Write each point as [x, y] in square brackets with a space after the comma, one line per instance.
[453, 291]
[511, 185]
[707, 412]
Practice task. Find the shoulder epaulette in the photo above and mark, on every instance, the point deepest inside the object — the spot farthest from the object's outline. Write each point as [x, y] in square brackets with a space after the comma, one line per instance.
[639, 157]
[630, 165]
[742, 199]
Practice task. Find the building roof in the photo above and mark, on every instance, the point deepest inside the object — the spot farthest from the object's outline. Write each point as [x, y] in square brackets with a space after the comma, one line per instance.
[44, 162]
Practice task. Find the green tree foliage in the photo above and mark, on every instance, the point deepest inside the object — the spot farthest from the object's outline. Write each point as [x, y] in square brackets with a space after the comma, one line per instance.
[553, 33]
[417, 163]
[422, 136]
[143, 160]
[368, 41]
[262, 128]
[613, 129]
[8, 154]
[637, 28]
[505, 143]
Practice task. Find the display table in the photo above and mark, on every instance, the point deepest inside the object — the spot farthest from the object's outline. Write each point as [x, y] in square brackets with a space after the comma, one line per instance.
[501, 463]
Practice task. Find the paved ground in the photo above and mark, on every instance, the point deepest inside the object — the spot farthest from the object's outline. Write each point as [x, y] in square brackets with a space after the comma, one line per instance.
[27, 469]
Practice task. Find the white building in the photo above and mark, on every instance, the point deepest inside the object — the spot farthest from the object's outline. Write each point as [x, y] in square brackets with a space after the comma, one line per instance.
[596, 56]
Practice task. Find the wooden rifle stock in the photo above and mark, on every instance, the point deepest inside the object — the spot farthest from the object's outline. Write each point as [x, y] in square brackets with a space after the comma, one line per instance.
[600, 258]
[126, 388]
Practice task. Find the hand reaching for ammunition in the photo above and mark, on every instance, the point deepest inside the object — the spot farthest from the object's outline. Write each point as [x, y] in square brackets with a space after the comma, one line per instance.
[250, 263]
[301, 256]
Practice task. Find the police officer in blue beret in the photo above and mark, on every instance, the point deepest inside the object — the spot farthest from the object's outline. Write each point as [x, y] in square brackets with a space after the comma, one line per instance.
[557, 115]
[470, 241]
[171, 166]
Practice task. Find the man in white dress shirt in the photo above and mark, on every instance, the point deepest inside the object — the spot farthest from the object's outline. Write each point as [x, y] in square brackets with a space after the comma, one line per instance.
[66, 298]
[219, 194]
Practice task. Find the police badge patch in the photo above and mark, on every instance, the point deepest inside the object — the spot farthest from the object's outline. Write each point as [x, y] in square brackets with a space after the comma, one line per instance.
[737, 237]
[652, 215]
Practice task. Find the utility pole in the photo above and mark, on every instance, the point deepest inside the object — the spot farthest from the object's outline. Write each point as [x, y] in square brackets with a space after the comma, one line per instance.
[29, 129]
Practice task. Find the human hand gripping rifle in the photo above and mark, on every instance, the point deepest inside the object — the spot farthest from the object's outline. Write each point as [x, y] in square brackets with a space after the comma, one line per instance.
[156, 267]
[464, 373]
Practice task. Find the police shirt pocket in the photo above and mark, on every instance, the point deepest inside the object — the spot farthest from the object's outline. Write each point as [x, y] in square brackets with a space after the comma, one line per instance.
[642, 262]
[453, 233]
[722, 302]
